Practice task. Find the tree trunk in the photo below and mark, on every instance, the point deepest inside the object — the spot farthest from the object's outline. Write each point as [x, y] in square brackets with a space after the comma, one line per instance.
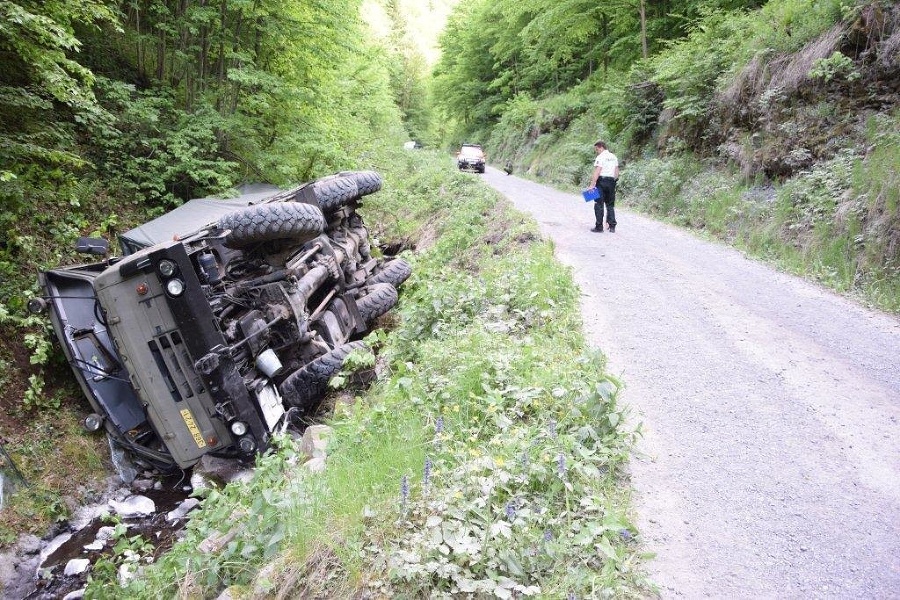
[643, 29]
[605, 21]
[161, 55]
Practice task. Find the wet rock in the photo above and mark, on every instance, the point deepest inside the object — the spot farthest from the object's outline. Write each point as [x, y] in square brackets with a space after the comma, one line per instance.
[17, 567]
[183, 509]
[86, 514]
[198, 482]
[76, 566]
[29, 544]
[105, 533]
[120, 494]
[218, 469]
[54, 544]
[142, 485]
[133, 506]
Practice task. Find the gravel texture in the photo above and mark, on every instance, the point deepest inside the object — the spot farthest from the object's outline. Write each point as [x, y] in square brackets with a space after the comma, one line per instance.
[770, 461]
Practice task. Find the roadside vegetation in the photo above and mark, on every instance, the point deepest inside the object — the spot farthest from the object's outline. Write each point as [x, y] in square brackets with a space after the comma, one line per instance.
[768, 125]
[486, 459]
[112, 113]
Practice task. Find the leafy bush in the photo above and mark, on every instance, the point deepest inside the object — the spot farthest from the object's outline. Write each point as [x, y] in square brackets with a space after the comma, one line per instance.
[157, 152]
[836, 65]
[689, 71]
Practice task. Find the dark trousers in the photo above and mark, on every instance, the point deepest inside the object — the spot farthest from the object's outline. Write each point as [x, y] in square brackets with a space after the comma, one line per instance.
[607, 186]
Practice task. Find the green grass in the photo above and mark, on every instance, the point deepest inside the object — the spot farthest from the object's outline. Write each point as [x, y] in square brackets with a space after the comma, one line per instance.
[62, 465]
[835, 223]
[487, 458]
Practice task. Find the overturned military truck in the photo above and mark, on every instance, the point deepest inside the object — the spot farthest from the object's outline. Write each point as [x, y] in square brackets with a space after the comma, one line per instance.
[224, 319]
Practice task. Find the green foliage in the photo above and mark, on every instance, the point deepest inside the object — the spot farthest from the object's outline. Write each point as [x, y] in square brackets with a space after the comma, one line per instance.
[128, 554]
[688, 71]
[836, 65]
[738, 81]
[52, 451]
[44, 96]
[788, 25]
[525, 439]
[487, 344]
[835, 221]
[158, 152]
[358, 360]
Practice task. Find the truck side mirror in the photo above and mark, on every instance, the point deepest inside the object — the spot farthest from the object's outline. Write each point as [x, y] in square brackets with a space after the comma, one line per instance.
[87, 245]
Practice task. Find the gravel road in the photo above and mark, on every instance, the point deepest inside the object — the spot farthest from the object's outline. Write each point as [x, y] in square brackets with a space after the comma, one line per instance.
[770, 461]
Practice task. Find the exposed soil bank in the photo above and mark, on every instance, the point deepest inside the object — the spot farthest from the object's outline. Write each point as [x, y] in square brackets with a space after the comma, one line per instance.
[770, 462]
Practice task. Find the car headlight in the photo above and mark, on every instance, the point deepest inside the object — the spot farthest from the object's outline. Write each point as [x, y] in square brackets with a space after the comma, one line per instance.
[166, 268]
[93, 422]
[238, 428]
[247, 445]
[175, 287]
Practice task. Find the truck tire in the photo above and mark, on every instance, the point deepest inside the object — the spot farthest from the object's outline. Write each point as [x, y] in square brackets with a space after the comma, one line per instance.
[305, 386]
[335, 191]
[381, 298]
[367, 182]
[274, 221]
[394, 272]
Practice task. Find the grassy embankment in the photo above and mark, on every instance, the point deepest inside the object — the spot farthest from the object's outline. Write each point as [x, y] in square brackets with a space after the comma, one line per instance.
[487, 457]
[784, 145]
[835, 223]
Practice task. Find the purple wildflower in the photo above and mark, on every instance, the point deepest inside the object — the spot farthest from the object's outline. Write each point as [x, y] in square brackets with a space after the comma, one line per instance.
[561, 464]
[439, 424]
[553, 428]
[510, 511]
[548, 535]
[427, 476]
[404, 489]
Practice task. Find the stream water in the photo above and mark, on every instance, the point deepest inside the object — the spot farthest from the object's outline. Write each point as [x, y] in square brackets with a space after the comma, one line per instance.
[65, 557]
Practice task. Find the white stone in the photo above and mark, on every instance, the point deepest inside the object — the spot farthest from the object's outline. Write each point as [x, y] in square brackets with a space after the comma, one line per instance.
[76, 595]
[182, 509]
[134, 506]
[126, 573]
[105, 533]
[76, 566]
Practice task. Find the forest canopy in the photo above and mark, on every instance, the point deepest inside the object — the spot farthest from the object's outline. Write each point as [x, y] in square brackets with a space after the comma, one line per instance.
[108, 105]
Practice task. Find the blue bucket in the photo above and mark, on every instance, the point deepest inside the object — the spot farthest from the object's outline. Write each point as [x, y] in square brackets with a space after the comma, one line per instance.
[591, 194]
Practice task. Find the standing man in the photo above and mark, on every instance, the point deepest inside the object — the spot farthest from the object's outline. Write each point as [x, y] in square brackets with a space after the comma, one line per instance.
[606, 172]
